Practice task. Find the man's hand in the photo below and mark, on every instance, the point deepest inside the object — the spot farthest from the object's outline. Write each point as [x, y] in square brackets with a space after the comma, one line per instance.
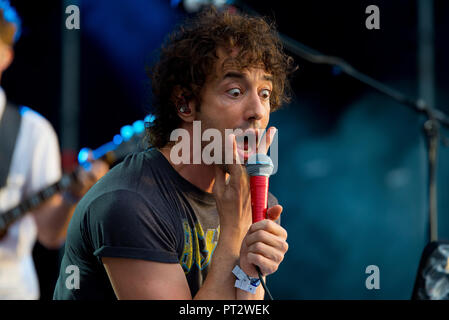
[264, 245]
[233, 197]
[87, 178]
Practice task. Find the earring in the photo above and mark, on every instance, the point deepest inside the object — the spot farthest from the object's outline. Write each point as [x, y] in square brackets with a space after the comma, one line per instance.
[184, 109]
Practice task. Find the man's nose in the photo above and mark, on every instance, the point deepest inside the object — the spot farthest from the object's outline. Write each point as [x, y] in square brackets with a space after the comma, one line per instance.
[254, 109]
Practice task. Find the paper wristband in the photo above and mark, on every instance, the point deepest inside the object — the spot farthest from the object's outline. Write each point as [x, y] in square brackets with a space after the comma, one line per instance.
[245, 282]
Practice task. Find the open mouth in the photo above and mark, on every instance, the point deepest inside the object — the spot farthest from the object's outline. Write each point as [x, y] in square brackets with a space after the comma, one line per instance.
[246, 144]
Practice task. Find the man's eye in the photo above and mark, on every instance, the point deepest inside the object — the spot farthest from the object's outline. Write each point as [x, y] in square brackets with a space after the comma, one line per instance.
[265, 93]
[235, 92]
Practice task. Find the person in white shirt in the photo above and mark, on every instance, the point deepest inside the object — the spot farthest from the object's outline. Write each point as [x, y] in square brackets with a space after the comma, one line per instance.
[35, 164]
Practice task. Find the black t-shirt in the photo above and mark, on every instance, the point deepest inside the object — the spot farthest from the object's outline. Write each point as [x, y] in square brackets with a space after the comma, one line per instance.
[141, 209]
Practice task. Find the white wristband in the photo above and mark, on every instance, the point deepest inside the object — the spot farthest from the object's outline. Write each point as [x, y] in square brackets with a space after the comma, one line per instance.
[245, 282]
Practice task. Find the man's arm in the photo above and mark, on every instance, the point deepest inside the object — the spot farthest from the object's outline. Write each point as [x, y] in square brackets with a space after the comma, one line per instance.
[53, 217]
[264, 245]
[138, 279]
[134, 279]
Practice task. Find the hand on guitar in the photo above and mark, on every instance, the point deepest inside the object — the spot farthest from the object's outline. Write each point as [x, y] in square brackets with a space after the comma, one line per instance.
[52, 218]
[86, 178]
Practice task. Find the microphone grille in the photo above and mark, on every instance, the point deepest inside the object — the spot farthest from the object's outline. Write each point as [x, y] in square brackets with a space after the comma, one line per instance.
[259, 165]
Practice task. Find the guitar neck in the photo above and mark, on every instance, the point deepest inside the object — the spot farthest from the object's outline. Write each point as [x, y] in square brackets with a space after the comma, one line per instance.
[110, 152]
[36, 200]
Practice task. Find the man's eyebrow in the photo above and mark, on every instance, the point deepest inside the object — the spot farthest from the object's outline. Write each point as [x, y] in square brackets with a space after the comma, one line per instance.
[233, 74]
[238, 75]
[267, 77]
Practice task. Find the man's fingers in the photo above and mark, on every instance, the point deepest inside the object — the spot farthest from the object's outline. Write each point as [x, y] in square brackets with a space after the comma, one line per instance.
[275, 241]
[266, 265]
[99, 169]
[235, 169]
[87, 178]
[274, 212]
[268, 226]
[266, 140]
[220, 178]
[272, 253]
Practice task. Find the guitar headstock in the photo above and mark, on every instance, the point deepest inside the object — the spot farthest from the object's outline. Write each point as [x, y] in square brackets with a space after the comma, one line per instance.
[128, 141]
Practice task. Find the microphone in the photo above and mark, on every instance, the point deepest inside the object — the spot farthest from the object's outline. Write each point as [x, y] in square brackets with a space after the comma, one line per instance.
[259, 167]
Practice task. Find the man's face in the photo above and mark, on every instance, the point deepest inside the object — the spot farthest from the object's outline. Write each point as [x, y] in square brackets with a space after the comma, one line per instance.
[236, 99]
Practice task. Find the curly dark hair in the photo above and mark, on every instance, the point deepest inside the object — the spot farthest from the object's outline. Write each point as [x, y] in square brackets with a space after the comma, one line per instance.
[189, 54]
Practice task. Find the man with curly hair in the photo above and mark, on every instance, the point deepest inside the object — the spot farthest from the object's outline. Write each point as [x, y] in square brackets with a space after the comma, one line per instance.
[156, 229]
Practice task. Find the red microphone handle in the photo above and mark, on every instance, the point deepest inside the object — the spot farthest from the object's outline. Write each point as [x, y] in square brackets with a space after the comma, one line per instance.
[259, 197]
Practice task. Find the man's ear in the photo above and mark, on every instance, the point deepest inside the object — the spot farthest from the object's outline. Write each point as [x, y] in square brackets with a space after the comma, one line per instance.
[6, 57]
[185, 106]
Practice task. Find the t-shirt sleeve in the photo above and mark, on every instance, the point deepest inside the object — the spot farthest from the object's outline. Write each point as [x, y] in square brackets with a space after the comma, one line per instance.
[123, 224]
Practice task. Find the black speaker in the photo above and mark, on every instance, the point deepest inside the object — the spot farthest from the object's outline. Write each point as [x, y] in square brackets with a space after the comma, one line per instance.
[432, 279]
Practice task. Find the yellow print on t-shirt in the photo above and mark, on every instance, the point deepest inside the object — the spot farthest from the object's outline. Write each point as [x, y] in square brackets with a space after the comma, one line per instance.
[198, 246]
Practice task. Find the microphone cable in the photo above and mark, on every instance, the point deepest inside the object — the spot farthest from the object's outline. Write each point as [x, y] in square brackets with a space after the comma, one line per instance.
[270, 297]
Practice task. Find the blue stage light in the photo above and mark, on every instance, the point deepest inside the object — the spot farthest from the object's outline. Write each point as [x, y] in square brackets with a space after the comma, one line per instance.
[149, 119]
[138, 126]
[86, 165]
[24, 110]
[117, 139]
[127, 132]
[83, 155]
[103, 150]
